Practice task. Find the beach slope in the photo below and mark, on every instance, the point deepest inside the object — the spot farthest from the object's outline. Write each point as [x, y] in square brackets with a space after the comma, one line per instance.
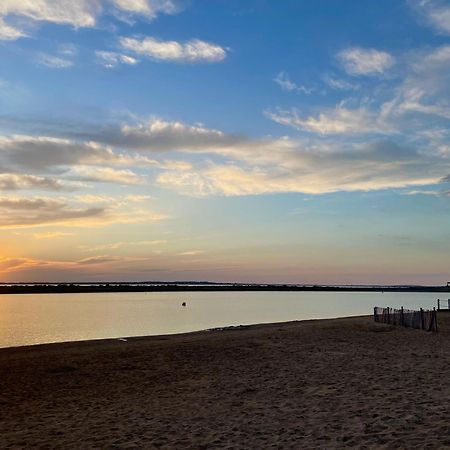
[311, 384]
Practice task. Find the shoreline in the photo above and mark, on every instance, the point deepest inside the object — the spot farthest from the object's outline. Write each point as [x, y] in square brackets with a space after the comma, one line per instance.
[204, 332]
[317, 384]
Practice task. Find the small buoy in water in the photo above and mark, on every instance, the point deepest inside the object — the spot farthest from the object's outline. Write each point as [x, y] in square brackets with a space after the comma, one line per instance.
[183, 304]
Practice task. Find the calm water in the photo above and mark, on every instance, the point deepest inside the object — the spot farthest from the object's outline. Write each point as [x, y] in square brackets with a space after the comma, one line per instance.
[36, 319]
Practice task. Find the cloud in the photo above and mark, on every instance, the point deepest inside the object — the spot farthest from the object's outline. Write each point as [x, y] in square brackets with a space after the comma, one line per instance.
[283, 80]
[440, 19]
[99, 260]
[287, 165]
[20, 212]
[361, 61]
[113, 59]
[107, 175]
[192, 253]
[13, 181]
[51, 234]
[422, 92]
[53, 163]
[161, 135]
[43, 153]
[340, 120]
[415, 105]
[94, 268]
[67, 49]
[44, 234]
[81, 13]
[15, 264]
[435, 14]
[239, 165]
[193, 51]
[9, 33]
[333, 157]
[78, 14]
[427, 192]
[339, 84]
[89, 198]
[117, 245]
[137, 198]
[25, 212]
[54, 62]
[148, 8]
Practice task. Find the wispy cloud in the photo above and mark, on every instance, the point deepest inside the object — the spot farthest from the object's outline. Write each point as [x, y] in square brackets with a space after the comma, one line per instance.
[193, 51]
[111, 60]
[192, 253]
[127, 199]
[148, 8]
[427, 192]
[92, 268]
[158, 135]
[8, 32]
[365, 61]
[54, 62]
[339, 120]
[121, 244]
[284, 81]
[107, 175]
[25, 212]
[435, 13]
[20, 212]
[14, 181]
[51, 234]
[99, 260]
[42, 153]
[45, 234]
[339, 83]
[418, 94]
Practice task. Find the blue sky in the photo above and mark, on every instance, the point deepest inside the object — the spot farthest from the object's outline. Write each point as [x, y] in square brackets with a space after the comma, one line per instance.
[293, 141]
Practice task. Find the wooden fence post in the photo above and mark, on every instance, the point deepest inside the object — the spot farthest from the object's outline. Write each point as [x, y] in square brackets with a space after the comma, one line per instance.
[435, 319]
[388, 321]
[439, 304]
[422, 322]
[401, 317]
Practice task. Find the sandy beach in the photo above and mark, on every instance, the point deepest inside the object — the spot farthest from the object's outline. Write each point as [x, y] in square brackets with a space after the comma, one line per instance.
[312, 384]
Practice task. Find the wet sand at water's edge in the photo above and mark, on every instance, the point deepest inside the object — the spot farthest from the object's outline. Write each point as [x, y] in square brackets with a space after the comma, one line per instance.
[311, 384]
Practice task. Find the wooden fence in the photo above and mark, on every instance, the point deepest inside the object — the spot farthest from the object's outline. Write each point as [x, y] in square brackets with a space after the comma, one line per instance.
[422, 319]
[441, 304]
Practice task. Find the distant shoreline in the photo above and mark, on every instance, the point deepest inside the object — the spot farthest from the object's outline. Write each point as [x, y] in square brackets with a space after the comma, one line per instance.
[63, 288]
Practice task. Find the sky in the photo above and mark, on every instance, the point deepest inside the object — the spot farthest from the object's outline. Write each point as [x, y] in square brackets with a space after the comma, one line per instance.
[294, 141]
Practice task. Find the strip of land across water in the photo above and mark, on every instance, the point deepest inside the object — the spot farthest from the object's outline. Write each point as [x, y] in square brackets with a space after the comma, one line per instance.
[155, 286]
[321, 384]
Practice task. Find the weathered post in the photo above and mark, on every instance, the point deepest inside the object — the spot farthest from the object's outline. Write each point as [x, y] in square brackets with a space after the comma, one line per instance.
[422, 322]
[387, 309]
[439, 304]
[401, 317]
[434, 319]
